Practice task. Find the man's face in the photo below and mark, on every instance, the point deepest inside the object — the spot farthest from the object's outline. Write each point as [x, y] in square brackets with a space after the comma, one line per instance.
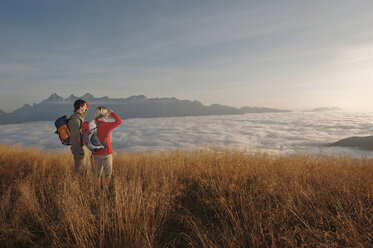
[84, 108]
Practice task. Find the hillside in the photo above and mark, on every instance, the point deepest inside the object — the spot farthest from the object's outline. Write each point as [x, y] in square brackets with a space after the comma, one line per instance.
[204, 198]
[364, 143]
[131, 107]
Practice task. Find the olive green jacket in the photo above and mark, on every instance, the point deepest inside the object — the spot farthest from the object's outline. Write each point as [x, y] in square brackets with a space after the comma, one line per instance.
[75, 124]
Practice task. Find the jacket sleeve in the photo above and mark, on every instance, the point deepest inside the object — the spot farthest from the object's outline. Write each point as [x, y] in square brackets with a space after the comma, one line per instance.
[106, 127]
[76, 145]
[117, 120]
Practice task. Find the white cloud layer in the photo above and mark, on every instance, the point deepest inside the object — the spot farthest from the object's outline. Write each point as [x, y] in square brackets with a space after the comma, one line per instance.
[285, 133]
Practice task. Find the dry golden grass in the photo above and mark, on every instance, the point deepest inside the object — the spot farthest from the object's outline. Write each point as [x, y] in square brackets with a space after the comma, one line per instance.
[205, 198]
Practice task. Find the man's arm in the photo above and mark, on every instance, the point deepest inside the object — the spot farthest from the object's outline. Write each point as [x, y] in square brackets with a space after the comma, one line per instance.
[76, 145]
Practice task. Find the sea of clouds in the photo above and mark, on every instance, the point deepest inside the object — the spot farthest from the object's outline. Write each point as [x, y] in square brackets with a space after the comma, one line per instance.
[279, 133]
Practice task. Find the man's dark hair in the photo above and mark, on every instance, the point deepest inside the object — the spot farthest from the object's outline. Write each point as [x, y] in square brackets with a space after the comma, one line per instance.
[79, 103]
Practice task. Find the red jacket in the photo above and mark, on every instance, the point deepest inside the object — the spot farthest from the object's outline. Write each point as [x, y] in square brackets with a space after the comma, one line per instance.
[103, 130]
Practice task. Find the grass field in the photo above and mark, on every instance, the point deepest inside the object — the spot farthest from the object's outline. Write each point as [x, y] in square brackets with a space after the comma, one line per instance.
[204, 198]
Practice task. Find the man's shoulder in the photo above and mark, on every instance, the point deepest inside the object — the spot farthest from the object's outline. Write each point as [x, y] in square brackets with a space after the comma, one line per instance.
[77, 116]
[76, 119]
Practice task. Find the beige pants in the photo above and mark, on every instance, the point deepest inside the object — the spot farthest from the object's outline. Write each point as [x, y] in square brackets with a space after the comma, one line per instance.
[104, 161]
[82, 162]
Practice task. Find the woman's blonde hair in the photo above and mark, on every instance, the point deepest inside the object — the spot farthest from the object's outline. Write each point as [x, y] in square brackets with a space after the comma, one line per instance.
[101, 112]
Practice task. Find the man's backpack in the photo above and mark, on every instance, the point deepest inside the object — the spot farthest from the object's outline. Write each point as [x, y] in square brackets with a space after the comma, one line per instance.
[63, 130]
[90, 136]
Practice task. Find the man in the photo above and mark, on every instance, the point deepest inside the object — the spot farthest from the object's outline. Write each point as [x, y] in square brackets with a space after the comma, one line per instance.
[75, 124]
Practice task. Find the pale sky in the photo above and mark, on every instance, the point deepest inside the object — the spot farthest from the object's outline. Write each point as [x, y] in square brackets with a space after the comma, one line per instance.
[283, 54]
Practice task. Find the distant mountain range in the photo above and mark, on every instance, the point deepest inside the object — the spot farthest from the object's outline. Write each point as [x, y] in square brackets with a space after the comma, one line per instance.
[131, 107]
[324, 109]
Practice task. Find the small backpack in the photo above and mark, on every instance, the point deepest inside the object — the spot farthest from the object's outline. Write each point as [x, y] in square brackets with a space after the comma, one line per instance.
[63, 130]
[90, 136]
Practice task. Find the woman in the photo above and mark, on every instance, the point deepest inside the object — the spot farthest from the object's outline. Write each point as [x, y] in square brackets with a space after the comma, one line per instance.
[104, 157]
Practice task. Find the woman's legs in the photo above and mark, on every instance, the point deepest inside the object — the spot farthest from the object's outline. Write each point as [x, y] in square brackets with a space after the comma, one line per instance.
[108, 168]
[104, 162]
